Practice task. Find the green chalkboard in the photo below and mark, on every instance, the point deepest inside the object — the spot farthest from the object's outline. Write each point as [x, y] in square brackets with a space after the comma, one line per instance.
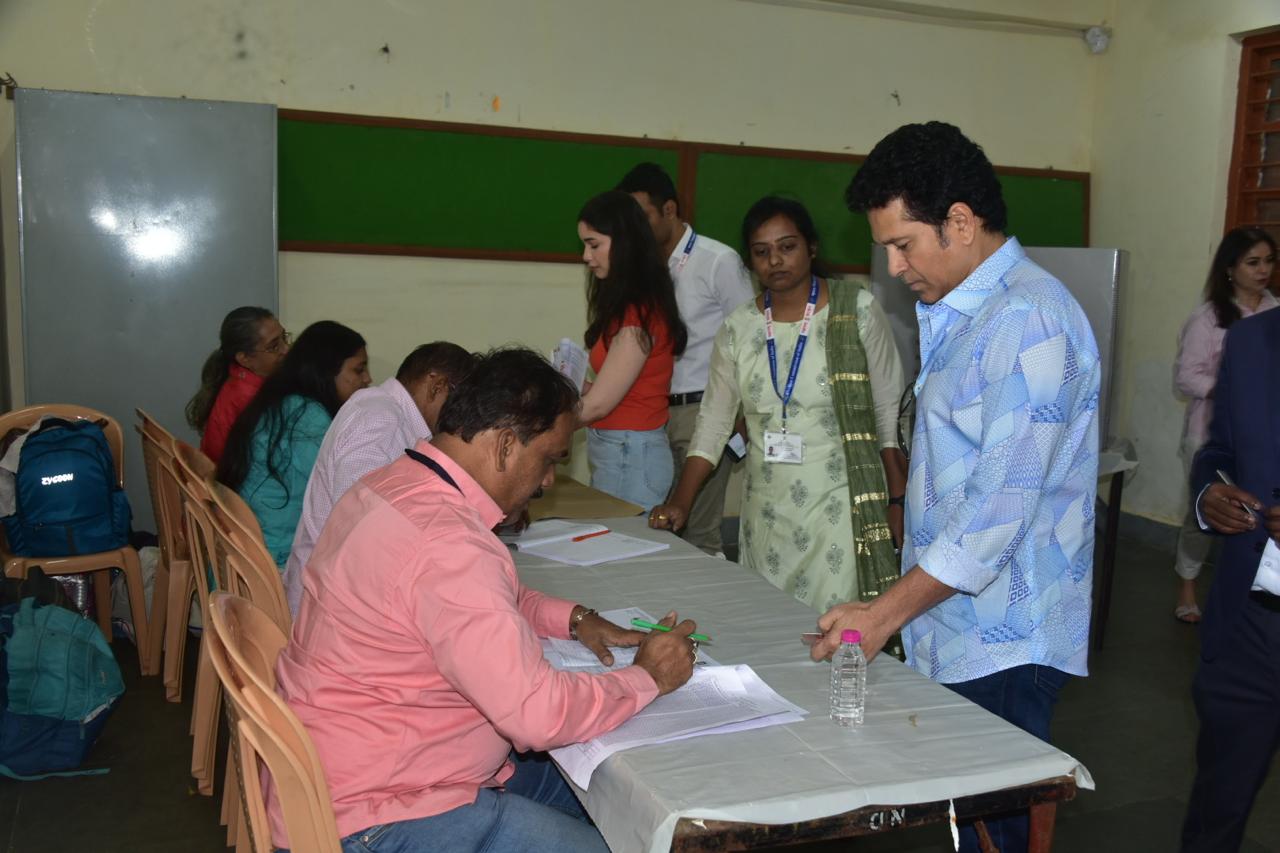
[368, 184]
[728, 184]
[1043, 210]
[1047, 211]
[374, 186]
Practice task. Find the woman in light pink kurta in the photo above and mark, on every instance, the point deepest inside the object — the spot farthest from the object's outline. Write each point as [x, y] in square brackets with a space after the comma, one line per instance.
[1237, 287]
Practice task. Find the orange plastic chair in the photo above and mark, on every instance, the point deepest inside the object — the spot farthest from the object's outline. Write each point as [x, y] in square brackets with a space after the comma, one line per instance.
[99, 564]
[173, 583]
[192, 469]
[244, 643]
[187, 553]
[250, 570]
[250, 573]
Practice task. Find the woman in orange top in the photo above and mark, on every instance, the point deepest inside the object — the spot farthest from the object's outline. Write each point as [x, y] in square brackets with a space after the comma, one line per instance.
[634, 333]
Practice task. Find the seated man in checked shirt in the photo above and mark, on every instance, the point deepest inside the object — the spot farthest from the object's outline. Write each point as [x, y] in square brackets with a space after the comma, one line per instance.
[373, 429]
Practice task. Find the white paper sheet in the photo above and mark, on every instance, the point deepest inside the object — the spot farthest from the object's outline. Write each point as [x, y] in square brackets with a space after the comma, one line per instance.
[572, 655]
[715, 698]
[550, 530]
[607, 548]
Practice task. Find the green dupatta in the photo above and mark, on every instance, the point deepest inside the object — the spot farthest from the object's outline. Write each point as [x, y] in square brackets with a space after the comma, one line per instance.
[856, 415]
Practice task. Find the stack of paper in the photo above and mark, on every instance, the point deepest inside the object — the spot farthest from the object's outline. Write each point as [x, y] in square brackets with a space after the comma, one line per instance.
[716, 700]
[580, 544]
[572, 655]
[547, 531]
[571, 360]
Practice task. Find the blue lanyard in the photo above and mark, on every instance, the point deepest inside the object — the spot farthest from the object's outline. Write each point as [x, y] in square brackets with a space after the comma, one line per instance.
[433, 465]
[797, 356]
[688, 250]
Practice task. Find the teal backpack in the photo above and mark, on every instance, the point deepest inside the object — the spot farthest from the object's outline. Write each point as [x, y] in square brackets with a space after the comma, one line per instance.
[59, 683]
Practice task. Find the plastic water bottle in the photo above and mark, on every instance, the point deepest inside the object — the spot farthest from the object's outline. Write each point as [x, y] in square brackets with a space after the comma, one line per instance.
[848, 680]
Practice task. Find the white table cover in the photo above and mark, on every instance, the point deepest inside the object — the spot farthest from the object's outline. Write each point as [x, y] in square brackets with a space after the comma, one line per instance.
[920, 742]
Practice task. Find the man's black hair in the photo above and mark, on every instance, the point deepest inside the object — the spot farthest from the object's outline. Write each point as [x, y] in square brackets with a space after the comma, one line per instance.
[449, 360]
[512, 388]
[930, 167]
[652, 180]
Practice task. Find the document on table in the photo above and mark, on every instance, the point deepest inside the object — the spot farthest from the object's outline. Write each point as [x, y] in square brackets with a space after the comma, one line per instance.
[716, 700]
[550, 530]
[572, 655]
[605, 548]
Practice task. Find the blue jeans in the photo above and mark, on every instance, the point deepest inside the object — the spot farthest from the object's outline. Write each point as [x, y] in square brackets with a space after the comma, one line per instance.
[1025, 696]
[536, 813]
[634, 465]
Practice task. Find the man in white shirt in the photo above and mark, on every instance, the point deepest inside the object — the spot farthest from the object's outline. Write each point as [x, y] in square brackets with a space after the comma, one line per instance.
[711, 282]
[373, 429]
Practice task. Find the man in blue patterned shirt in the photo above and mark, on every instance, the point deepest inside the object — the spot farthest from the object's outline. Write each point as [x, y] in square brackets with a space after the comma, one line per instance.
[995, 600]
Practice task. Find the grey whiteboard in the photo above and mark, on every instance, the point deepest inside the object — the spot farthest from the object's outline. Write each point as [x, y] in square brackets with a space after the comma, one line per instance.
[142, 222]
[1094, 277]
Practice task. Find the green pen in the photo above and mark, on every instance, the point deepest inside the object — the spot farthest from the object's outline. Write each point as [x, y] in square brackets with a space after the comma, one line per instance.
[640, 623]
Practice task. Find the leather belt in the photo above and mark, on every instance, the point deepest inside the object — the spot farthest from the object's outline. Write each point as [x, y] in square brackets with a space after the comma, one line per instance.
[685, 399]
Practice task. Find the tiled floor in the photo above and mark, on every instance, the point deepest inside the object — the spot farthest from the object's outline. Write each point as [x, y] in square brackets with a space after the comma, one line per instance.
[1131, 723]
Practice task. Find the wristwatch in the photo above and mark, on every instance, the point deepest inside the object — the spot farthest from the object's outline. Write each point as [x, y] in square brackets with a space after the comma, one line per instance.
[900, 500]
[575, 621]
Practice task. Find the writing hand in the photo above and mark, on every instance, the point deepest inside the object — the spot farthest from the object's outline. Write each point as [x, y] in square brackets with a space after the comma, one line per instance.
[668, 657]
[598, 634]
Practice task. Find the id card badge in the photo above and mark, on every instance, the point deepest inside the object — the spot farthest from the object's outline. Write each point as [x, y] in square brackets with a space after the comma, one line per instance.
[783, 447]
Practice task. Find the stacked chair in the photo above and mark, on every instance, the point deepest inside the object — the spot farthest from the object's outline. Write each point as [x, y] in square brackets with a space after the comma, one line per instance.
[244, 641]
[211, 545]
[172, 593]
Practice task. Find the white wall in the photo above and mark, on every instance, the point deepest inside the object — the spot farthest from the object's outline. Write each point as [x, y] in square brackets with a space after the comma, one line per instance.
[711, 70]
[1161, 154]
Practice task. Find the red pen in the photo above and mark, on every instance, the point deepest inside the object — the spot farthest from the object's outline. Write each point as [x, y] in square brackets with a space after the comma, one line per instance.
[588, 535]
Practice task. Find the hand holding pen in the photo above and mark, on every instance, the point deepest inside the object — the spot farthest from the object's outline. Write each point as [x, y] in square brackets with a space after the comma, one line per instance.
[1229, 509]
[668, 655]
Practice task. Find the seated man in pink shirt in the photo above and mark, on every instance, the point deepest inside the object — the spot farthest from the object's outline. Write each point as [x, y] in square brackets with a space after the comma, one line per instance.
[372, 429]
[415, 662]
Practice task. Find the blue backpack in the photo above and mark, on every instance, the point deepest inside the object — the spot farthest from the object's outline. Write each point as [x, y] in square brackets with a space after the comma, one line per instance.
[68, 500]
[59, 683]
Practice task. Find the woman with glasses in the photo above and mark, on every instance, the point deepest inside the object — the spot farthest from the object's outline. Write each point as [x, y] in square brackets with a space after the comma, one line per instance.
[634, 333]
[274, 443]
[252, 344]
[812, 363]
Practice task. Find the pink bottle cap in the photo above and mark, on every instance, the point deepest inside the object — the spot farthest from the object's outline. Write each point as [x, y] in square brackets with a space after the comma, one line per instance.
[848, 635]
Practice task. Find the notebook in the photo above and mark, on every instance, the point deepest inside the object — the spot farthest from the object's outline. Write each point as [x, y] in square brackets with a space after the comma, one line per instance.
[548, 531]
[604, 548]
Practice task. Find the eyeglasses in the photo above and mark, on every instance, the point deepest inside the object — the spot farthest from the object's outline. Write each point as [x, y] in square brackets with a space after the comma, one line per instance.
[906, 419]
[279, 344]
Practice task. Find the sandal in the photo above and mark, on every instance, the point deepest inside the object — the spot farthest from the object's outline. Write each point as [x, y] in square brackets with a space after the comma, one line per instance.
[1188, 613]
